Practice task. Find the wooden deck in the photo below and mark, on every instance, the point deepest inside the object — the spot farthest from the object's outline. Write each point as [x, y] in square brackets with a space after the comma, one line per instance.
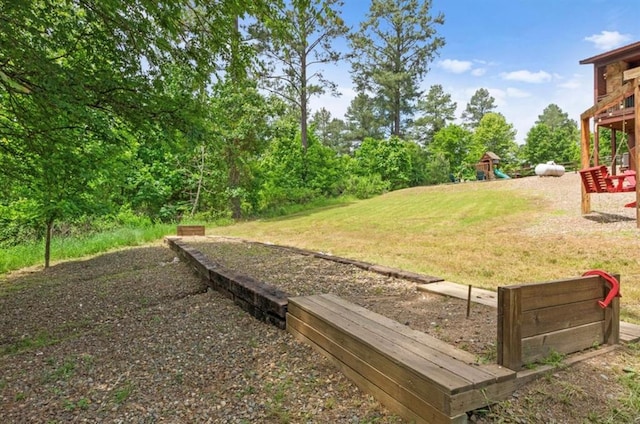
[417, 376]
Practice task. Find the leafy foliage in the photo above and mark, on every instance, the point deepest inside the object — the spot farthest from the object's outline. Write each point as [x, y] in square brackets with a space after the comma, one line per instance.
[391, 53]
[495, 135]
[459, 148]
[480, 104]
[438, 110]
[553, 138]
[292, 58]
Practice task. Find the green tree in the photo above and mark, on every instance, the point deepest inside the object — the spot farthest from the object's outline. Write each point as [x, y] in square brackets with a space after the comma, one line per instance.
[480, 104]
[437, 111]
[76, 76]
[391, 159]
[294, 57]
[330, 131]
[459, 148]
[290, 174]
[391, 54]
[554, 137]
[363, 119]
[496, 135]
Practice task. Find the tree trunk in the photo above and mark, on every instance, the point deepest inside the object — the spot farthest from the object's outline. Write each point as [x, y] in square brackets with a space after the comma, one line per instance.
[303, 102]
[200, 178]
[235, 202]
[47, 244]
[396, 113]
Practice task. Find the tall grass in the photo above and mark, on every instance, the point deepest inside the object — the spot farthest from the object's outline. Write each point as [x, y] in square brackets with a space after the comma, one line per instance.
[73, 247]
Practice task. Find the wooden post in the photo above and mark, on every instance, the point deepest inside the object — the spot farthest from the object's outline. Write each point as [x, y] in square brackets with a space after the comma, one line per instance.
[469, 302]
[636, 108]
[509, 327]
[585, 144]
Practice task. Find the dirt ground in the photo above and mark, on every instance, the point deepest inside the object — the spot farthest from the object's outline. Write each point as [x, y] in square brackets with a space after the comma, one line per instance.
[134, 337]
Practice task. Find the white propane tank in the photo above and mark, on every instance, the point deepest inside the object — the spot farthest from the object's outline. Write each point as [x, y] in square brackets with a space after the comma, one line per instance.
[549, 169]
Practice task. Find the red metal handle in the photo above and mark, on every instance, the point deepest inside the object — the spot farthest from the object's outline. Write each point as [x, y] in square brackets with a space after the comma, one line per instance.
[613, 291]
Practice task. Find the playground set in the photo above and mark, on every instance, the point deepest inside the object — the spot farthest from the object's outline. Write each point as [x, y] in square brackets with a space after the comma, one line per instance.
[487, 168]
[616, 88]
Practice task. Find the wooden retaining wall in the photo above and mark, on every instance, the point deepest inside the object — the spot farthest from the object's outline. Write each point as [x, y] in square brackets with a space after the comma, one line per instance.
[263, 301]
[563, 316]
[419, 377]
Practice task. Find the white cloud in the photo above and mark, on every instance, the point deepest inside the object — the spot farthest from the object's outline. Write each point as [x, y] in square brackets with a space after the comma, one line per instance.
[455, 66]
[336, 105]
[517, 93]
[527, 76]
[608, 40]
[478, 72]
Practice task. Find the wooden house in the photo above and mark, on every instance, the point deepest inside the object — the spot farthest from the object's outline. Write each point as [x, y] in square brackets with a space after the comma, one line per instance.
[616, 86]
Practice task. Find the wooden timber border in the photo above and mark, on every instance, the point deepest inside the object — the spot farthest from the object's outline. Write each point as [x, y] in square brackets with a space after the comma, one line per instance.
[423, 379]
[417, 376]
[190, 230]
[263, 301]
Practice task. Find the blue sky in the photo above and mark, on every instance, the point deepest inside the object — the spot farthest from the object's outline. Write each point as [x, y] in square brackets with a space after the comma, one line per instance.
[524, 52]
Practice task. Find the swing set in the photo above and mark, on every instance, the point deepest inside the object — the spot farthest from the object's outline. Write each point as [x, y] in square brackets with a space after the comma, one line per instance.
[617, 94]
[596, 179]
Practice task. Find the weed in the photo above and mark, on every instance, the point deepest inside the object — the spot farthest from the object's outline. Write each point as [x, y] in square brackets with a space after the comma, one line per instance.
[20, 396]
[28, 343]
[489, 355]
[553, 359]
[276, 405]
[63, 372]
[569, 392]
[330, 403]
[178, 377]
[87, 359]
[123, 393]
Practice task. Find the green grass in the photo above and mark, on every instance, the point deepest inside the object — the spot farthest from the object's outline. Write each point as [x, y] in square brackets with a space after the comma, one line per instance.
[480, 234]
[472, 233]
[22, 256]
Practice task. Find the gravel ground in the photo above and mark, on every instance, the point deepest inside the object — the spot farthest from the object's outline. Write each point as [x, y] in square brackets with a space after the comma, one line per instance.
[134, 337]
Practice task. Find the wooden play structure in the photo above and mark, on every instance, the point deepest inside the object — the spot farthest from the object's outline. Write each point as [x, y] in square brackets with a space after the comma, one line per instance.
[616, 88]
[486, 166]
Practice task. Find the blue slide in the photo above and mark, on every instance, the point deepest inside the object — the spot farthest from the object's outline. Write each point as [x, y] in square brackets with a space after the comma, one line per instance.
[500, 174]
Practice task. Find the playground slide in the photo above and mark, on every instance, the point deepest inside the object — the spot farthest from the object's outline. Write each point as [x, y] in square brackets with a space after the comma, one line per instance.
[500, 174]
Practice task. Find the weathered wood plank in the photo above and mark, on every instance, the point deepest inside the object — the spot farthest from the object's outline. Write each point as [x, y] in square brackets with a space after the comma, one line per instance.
[612, 322]
[373, 381]
[629, 332]
[190, 230]
[630, 74]
[545, 320]
[420, 344]
[459, 291]
[422, 377]
[564, 341]
[553, 293]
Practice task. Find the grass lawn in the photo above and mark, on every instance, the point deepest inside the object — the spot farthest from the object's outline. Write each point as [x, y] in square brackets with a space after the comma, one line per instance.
[480, 234]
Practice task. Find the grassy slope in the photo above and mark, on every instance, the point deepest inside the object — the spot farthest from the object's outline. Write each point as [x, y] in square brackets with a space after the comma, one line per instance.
[467, 233]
